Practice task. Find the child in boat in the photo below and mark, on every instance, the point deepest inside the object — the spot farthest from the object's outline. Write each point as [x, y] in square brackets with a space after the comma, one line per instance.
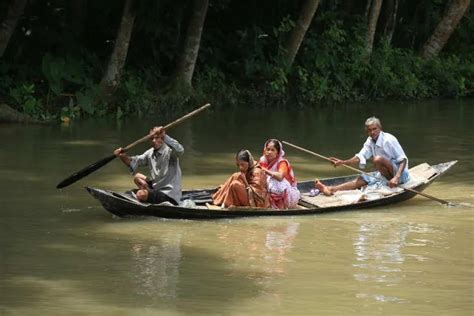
[245, 188]
[164, 183]
[281, 181]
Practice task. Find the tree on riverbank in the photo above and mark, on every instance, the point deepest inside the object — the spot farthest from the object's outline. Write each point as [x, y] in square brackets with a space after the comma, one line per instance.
[391, 10]
[7, 27]
[445, 28]
[113, 74]
[62, 55]
[187, 58]
[373, 15]
[299, 30]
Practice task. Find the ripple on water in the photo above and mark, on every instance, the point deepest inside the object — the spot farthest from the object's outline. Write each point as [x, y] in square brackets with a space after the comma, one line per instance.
[70, 210]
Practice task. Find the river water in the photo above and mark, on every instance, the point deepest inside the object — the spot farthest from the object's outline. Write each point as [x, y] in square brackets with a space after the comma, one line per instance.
[61, 253]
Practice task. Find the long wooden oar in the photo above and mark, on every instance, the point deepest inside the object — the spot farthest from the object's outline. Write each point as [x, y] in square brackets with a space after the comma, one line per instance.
[362, 172]
[98, 164]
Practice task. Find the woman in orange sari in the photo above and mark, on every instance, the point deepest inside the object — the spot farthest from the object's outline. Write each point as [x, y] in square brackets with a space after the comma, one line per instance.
[245, 188]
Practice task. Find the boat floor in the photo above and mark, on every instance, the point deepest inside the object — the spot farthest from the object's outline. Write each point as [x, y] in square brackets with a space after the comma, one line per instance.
[420, 174]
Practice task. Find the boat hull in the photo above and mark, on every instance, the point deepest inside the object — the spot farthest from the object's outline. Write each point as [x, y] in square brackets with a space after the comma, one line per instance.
[122, 205]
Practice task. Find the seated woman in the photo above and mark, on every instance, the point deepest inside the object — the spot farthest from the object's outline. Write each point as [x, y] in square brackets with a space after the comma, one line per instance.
[281, 182]
[245, 188]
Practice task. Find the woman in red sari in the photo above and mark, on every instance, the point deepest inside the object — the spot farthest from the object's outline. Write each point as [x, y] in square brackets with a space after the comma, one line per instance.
[281, 181]
[245, 188]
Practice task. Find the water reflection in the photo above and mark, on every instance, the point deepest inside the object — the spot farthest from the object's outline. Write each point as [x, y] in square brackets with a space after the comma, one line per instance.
[264, 249]
[383, 252]
[379, 256]
[279, 241]
[155, 268]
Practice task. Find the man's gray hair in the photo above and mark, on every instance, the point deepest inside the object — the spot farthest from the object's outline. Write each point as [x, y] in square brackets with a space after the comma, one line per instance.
[373, 120]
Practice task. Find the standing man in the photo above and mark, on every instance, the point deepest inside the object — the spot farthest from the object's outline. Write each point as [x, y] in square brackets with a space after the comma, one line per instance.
[164, 183]
[387, 155]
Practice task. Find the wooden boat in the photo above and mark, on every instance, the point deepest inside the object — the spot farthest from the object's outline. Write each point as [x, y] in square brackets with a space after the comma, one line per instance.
[124, 204]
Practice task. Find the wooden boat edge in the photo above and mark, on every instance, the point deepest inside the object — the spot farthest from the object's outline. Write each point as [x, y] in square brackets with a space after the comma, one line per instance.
[121, 206]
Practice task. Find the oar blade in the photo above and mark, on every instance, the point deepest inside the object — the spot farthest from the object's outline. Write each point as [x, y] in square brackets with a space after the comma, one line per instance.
[84, 172]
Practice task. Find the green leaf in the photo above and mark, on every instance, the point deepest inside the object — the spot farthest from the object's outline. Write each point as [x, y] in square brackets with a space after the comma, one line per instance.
[85, 102]
[29, 105]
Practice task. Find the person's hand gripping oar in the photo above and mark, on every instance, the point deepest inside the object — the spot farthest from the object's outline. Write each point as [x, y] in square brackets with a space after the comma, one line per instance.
[99, 164]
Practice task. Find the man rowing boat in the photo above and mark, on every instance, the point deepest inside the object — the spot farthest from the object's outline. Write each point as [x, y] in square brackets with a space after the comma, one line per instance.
[387, 155]
[162, 159]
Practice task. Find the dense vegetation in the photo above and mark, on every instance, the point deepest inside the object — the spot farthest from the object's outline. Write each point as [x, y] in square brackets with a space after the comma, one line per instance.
[70, 59]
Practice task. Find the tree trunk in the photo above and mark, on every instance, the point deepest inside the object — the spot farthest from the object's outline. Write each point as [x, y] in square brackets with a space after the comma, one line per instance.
[391, 18]
[445, 28]
[15, 11]
[367, 8]
[187, 59]
[9, 115]
[297, 34]
[112, 76]
[373, 18]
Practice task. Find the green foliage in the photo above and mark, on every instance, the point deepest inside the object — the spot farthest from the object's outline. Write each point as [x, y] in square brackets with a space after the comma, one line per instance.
[135, 97]
[401, 74]
[54, 66]
[448, 77]
[63, 72]
[24, 97]
[391, 74]
[213, 82]
[331, 65]
[88, 99]
[73, 74]
[70, 112]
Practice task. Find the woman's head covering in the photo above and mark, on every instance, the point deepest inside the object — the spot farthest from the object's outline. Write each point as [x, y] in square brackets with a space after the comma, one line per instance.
[245, 155]
[281, 153]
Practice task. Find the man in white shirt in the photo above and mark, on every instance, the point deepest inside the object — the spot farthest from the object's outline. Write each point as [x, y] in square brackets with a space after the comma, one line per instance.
[387, 155]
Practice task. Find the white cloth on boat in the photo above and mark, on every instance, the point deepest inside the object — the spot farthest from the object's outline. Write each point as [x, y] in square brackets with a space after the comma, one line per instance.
[376, 190]
[380, 188]
[370, 192]
[375, 177]
[348, 196]
[414, 181]
[279, 187]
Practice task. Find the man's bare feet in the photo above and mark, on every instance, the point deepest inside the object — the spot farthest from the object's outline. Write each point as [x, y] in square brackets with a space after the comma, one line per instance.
[323, 188]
